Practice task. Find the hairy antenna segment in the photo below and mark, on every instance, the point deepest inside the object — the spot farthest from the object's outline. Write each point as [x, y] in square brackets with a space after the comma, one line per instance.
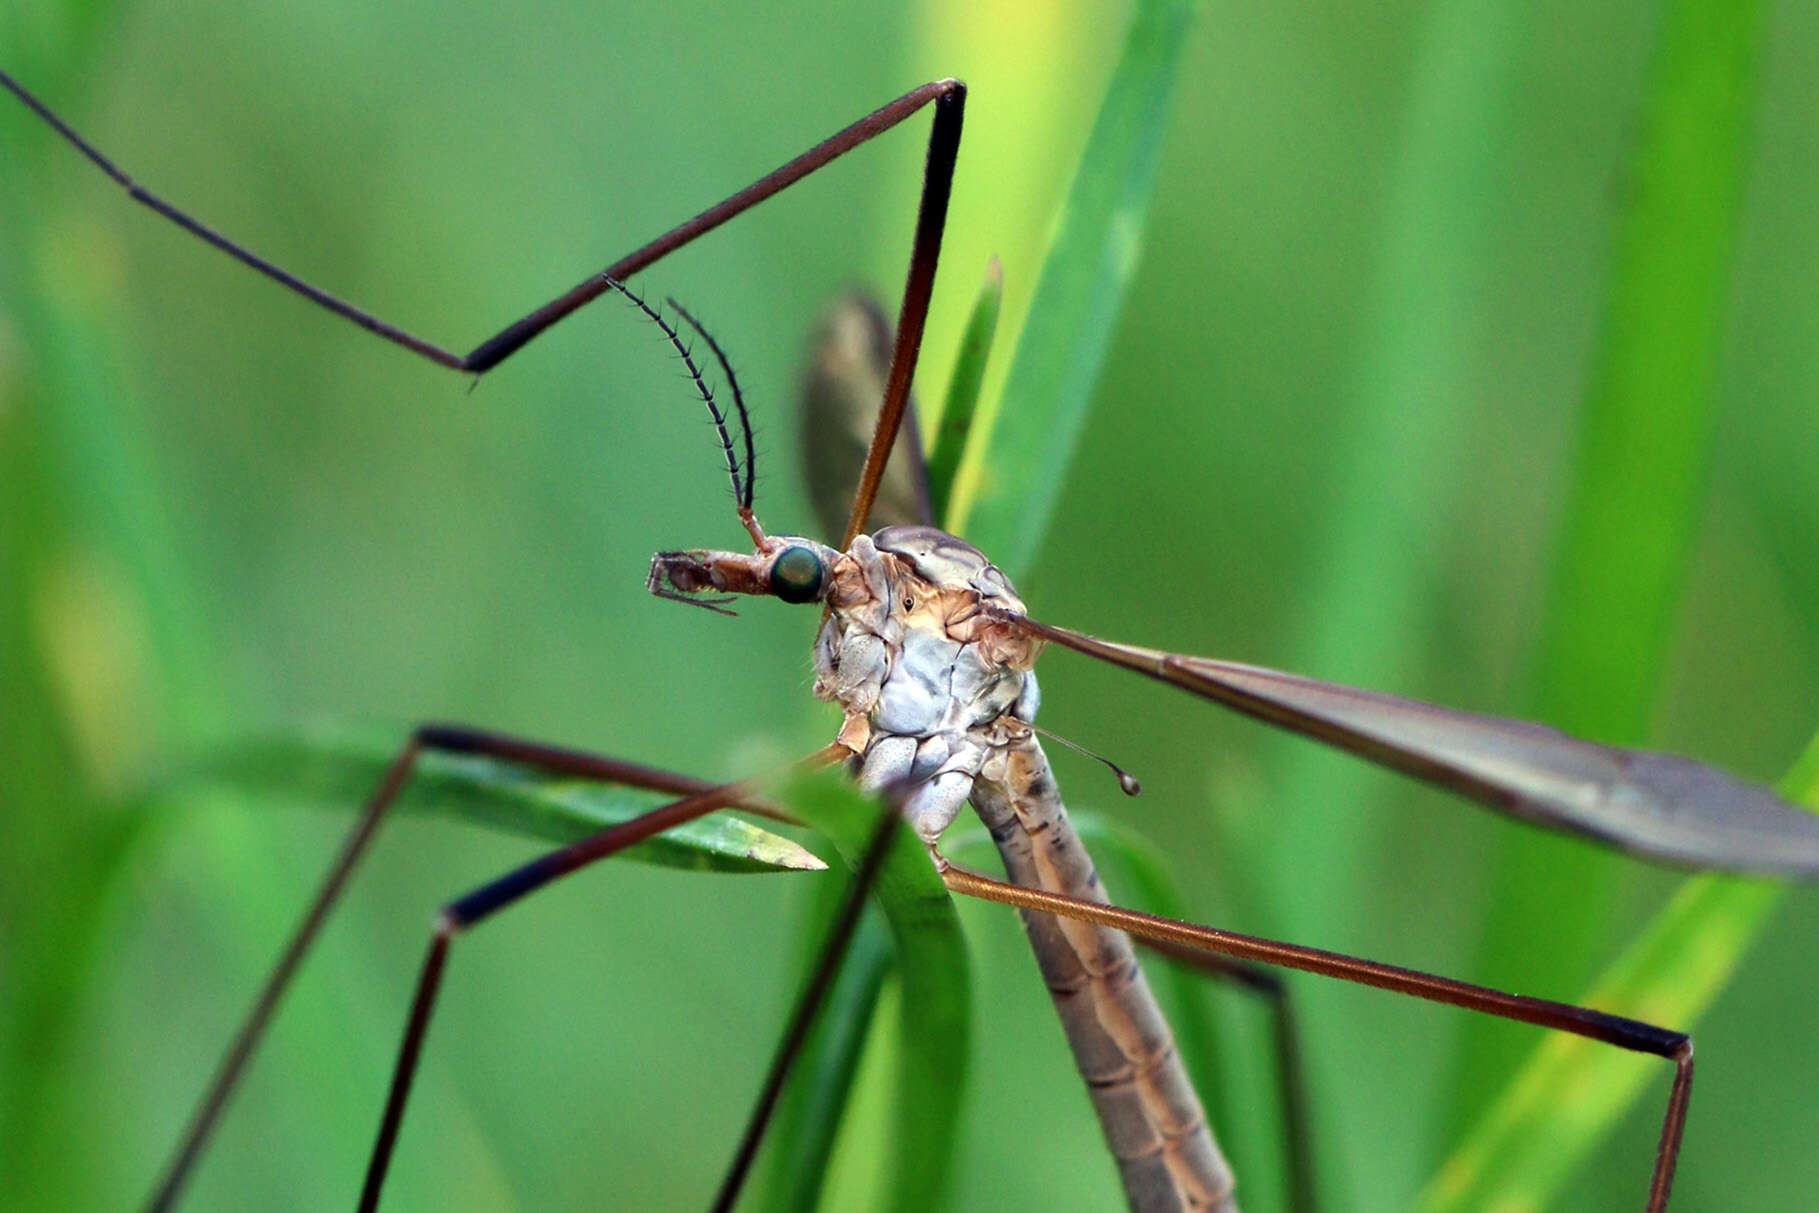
[745, 420]
[700, 381]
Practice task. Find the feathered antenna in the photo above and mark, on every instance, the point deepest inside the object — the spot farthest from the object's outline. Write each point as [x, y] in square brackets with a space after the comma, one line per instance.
[745, 421]
[741, 493]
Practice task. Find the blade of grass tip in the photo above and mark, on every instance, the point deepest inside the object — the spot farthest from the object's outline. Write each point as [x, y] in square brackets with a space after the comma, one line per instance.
[1018, 458]
[934, 1032]
[1525, 1149]
[963, 390]
[337, 769]
[1637, 492]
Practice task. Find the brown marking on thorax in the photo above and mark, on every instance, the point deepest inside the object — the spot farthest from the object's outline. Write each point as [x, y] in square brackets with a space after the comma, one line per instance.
[949, 602]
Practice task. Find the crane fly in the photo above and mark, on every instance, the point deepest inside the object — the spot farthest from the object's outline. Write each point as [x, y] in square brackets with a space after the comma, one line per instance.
[930, 652]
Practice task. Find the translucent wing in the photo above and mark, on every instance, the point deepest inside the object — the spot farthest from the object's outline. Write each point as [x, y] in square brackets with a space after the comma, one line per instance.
[849, 361]
[1659, 806]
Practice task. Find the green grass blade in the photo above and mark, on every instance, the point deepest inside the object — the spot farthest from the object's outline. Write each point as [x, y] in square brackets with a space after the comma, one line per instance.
[935, 1030]
[1568, 1095]
[1028, 440]
[335, 769]
[93, 564]
[1638, 491]
[815, 1102]
[1368, 580]
[963, 391]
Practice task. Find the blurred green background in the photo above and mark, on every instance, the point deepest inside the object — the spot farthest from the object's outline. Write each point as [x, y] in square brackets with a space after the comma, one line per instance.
[1335, 434]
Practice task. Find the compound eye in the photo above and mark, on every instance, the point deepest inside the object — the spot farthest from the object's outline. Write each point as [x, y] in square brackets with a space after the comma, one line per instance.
[798, 574]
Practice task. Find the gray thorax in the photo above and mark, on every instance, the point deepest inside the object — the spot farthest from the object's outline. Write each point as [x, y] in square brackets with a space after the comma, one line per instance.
[939, 688]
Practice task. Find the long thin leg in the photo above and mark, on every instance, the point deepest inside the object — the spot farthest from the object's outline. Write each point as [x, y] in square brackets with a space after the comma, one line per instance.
[1630, 1034]
[931, 219]
[443, 738]
[808, 1005]
[481, 904]
[949, 96]
[1291, 1074]
[1255, 979]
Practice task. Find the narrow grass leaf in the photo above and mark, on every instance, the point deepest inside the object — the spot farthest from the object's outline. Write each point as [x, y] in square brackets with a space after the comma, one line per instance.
[1628, 532]
[1020, 455]
[935, 1030]
[963, 391]
[815, 1102]
[338, 770]
[61, 539]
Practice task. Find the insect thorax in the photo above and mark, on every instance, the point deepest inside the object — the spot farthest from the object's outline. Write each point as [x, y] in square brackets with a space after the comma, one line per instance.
[933, 685]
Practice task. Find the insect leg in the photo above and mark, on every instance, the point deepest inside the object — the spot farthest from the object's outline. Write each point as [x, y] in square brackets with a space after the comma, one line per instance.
[931, 219]
[948, 95]
[1630, 1034]
[808, 1004]
[475, 907]
[440, 738]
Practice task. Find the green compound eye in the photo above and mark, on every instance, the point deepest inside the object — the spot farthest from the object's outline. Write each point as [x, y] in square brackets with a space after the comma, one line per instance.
[797, 575]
